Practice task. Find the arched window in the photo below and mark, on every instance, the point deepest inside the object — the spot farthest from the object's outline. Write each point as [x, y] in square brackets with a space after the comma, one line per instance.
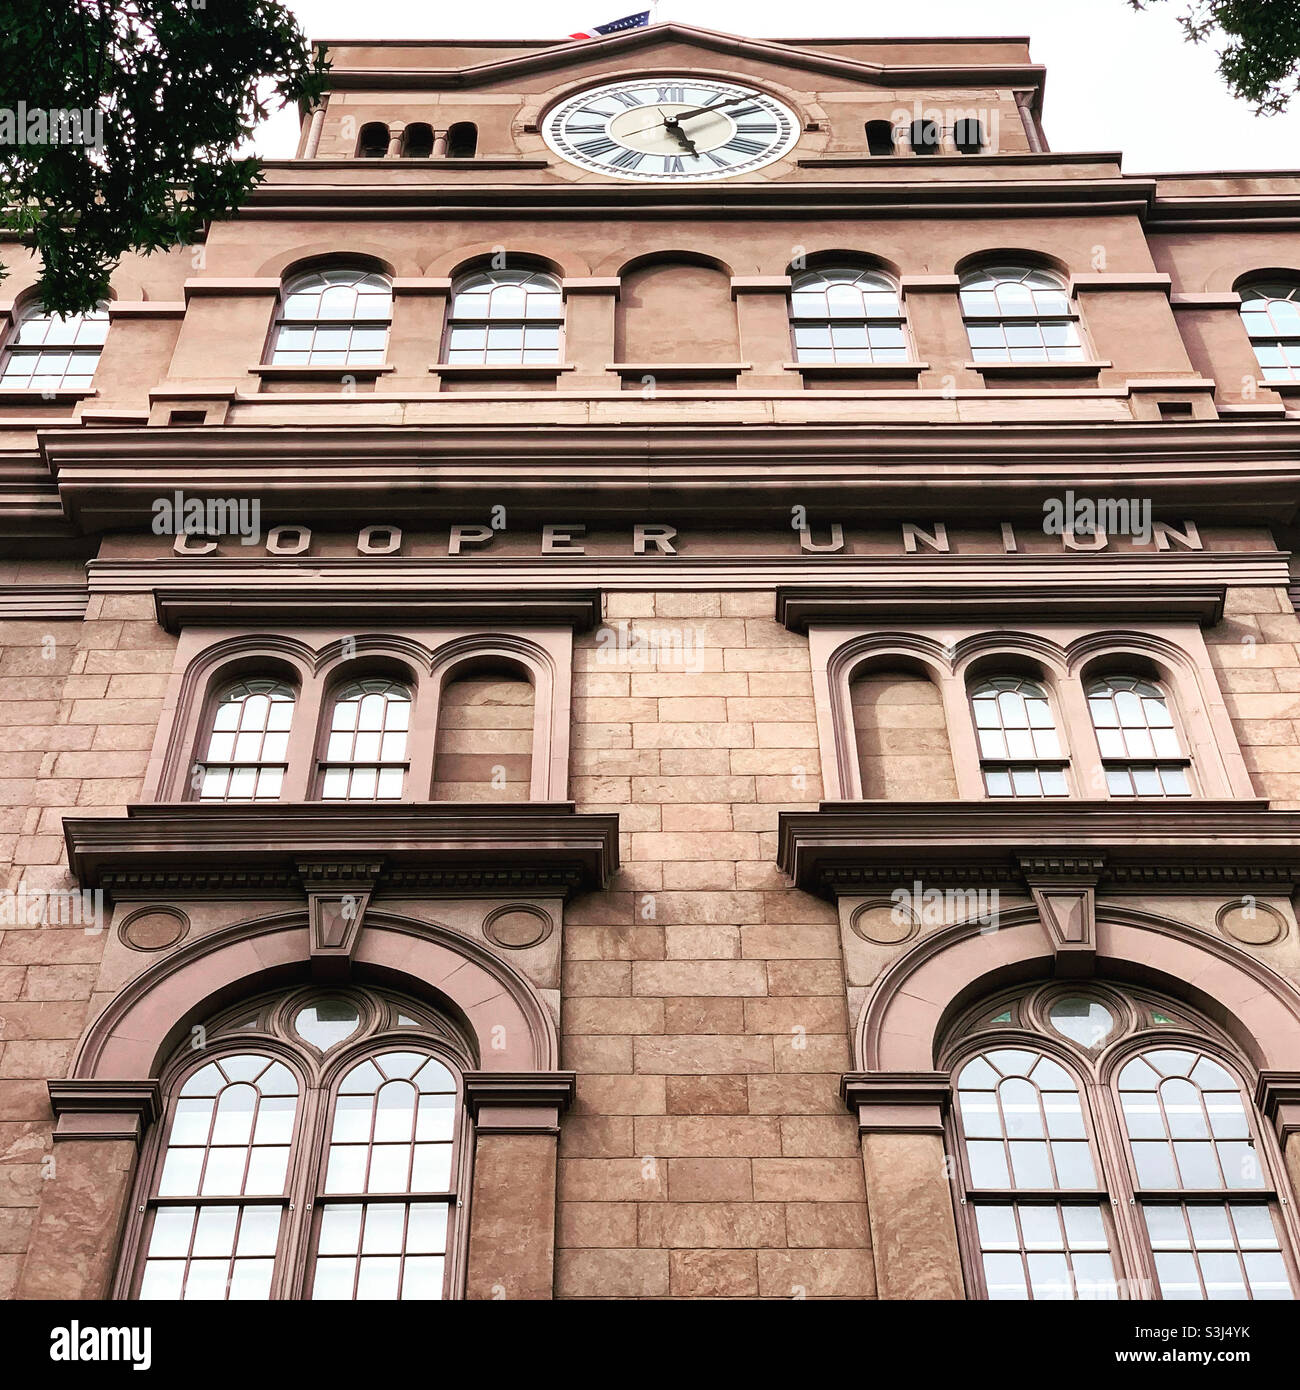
[314, 1152]
[1020, 751]
[880, 137]
[1136, 737]
[1188, 1135]
[54, 352]
[1114, 1162]
[392, 1134]
[333, 318]
[365, 749]
[462, 140]
[505, 316]
[1017, 315]
[247, 749]
[372, 143]
[1025, 1135]
[417, 141]
[968, 135]
[925, 137]
[1271, 314]
[847, 315]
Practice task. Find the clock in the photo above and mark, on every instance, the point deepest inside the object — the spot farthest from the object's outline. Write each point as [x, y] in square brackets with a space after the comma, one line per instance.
[671, 129]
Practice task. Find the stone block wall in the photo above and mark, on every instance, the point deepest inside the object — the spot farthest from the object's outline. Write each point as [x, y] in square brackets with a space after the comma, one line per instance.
[708, 1153]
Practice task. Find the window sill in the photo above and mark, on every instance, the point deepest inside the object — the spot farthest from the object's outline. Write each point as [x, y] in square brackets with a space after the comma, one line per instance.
[271, 372]
[1022, 369]
[513, 371]
[866, 370]
[23, 395]
[671, 369]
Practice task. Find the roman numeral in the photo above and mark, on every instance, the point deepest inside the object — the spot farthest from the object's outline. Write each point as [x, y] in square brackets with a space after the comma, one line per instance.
[758, 128]
[743, 146]
[585, 129]
[626, 98]
[629, 159]
[673, 164]
[745, 111]
[594, 149]
[718, 159]
[670, 94]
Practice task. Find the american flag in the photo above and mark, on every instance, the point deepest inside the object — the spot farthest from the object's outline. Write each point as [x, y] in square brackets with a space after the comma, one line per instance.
[615, 26]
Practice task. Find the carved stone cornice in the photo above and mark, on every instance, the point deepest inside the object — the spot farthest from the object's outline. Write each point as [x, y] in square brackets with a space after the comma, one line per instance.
[88, 1108]
[911, 1102]
[516, 1102]
[275, 606]
[1163, 599]
[1130, 847]
[539, 464]
[282, 850]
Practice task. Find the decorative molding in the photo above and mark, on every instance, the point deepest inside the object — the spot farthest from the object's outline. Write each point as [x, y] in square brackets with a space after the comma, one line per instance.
[276, 605]
[268, 577]
[52, 601]
[893, 1102]
[519, 1102]
[1133, 846]
[90, 1108]
[233, 850]
[1158, 599]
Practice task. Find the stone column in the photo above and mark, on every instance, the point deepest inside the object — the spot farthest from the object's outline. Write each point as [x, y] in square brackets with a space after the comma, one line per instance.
[74, 1245]
[909, 1194]
[589, 308]
[512, 1203]
[395, 140]
[314, 129]
[439, 144]
[763, 317]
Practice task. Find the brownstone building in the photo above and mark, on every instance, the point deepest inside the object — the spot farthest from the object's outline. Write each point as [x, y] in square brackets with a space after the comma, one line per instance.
[668, 671]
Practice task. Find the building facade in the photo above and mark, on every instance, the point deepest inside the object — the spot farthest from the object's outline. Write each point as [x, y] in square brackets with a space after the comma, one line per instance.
[669, 670]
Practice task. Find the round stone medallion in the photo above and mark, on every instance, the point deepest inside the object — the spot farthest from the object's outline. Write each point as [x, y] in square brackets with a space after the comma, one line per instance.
[154, 928]
[883, 922]
[518, 926]
[1255, 924]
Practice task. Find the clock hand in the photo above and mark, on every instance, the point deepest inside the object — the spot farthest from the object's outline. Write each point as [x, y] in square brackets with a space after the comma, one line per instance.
[702, 110]
[685, 140]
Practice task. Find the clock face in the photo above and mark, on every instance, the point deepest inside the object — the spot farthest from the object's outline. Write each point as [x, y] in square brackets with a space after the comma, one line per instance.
[671, 129]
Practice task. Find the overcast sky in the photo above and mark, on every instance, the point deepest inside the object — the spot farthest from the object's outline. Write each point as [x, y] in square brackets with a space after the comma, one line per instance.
[1117, 79]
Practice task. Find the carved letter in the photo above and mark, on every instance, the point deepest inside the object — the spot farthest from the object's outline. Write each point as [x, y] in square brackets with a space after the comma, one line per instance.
[277, 545]
[661, 537]
[391, 537]
[563, 540]
[469, 535]
[1189, 538]
[937, 541]
[836, 541]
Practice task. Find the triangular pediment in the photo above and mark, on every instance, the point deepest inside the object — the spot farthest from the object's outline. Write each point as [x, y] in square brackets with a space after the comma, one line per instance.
[667, 42]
